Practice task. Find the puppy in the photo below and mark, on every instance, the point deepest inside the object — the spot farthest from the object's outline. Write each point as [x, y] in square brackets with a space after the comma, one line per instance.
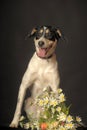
[42, 70]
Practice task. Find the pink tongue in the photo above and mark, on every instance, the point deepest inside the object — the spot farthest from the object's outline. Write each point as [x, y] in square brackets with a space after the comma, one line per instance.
[42, 52]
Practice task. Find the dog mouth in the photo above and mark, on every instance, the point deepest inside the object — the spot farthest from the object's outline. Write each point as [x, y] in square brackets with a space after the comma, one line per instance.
[42, 52]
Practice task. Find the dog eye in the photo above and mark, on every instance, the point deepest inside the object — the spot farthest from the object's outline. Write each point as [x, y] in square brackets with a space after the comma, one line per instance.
[38, 35]
[50, 36]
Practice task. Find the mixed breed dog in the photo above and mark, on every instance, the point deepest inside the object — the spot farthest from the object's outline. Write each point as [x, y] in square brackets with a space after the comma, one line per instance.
[42, 70]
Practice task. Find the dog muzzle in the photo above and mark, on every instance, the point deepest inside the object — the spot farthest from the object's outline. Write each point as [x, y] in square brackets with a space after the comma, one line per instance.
[42, 52]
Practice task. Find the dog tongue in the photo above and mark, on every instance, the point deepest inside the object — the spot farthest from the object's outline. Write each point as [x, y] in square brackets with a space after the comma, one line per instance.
[42, 52]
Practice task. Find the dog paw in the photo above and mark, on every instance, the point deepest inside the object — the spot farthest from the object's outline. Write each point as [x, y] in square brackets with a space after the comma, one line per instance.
[13, 125]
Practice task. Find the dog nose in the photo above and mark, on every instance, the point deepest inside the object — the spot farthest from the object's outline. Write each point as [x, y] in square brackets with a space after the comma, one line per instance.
[40, 43]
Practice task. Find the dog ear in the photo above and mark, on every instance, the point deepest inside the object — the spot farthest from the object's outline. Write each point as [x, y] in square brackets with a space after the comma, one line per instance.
[58, 34]
[61, 35]
[33, 32]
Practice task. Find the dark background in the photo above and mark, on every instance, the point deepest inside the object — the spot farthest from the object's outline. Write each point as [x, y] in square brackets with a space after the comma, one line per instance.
[17, 18]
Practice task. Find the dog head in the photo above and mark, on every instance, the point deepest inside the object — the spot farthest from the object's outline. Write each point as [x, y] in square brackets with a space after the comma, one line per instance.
[45, 39]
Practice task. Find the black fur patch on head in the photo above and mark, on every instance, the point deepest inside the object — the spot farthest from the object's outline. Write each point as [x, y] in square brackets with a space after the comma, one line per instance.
[47, 32]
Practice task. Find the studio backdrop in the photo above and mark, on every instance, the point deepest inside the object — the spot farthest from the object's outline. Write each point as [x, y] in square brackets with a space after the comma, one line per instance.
[17, 19]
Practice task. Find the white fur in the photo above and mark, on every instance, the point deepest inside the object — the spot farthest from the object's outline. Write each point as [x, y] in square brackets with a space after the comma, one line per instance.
[41, 73]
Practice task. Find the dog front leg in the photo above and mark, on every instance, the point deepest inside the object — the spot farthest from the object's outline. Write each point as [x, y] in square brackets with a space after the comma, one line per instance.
[27, 80]
[55, 82]
[17, 114]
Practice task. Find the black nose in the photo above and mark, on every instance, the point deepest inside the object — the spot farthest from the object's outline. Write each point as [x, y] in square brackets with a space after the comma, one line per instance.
[40, 43]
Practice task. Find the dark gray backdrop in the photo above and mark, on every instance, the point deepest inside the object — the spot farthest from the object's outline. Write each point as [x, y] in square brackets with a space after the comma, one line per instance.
[17, 18]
